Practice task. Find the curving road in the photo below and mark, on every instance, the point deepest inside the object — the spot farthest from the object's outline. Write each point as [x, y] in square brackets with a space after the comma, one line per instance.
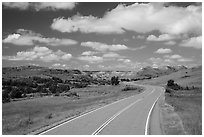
[129, 116]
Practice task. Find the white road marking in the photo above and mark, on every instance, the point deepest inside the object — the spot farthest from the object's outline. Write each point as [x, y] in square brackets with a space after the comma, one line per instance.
[147, 121]
[87, 114]
[113, 117]
[83, 115]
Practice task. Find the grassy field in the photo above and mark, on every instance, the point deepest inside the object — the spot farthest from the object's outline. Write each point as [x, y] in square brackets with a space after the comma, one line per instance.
[188, 105]
[22, 117]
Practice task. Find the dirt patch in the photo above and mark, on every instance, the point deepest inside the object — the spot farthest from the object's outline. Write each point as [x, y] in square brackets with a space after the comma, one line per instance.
[171, 123]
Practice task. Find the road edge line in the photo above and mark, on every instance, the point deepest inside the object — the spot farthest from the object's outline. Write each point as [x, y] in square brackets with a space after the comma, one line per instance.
[98, 130]
[76, 117]
[148, 117]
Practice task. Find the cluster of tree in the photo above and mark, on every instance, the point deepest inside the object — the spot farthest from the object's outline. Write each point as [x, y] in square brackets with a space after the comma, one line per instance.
[172, 86]
[17, 88]
[18, 83]
[141, 78]
[115, 80]
[47, 80]
[44, 86]
[123, 79]
[11, 92]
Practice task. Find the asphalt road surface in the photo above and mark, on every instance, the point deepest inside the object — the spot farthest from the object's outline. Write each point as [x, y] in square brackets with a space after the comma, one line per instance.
[135, 115]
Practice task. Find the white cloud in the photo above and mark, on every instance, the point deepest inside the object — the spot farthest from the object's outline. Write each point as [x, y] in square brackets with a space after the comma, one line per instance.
[125, 60]
[170, 43]
[111, 55]
[185, 60]
[103, 47]
[86, 66]
[161, 62]
[88, 53]
[163, 51]
[162, 37]
[91, 59]
[155, 60]
[18, 5]
[139, 48]
[40, 5]
[140, 18]
[175, 56]
[76, 23]
[40, 53]
[140, 37]
[56, 65]
[27, 37]
[179, 58]
[195, 42]
[67, 56]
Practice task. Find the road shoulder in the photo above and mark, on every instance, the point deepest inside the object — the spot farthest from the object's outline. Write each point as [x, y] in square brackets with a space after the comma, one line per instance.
[170, 122]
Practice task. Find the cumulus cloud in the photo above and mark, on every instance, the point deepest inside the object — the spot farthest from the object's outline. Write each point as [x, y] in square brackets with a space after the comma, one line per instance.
[170, 43]
[77, 23]
[103, 47]
[40, 5]
[111, 55]
[161, 62]
[88, 53]
[40, 53]
[155, 60]
[163, 51]
[58, 65]
[141, 18]
[162, 37]
[195, 42]
[91, 59]
[169, 60]
[17, 5]
[185, 60]
[139, 48]
[177, 57]
[28, 37]
[125, 60]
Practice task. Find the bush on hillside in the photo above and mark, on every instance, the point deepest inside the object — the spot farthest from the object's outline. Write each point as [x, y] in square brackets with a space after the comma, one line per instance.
[115, 80]
[128, 87]
[172, 85]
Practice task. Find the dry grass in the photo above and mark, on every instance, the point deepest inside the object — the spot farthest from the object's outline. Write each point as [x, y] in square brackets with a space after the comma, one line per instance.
[189, 107]
[22, 117]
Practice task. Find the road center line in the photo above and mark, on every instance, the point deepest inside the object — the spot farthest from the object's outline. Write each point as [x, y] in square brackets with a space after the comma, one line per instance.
[85, 114]
[113, 117]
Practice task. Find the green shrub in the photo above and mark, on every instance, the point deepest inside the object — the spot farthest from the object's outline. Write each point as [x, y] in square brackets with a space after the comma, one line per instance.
[127, 87]
[49, 116]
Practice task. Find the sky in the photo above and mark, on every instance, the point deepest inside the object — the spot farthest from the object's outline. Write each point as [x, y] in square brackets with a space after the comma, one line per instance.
[101, 35]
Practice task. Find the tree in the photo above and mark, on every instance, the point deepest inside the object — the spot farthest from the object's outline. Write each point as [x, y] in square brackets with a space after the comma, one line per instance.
[170, 83]
[114, 80]
[53, 88]
[16, 93]
[64, 88]
[28, 90]
[5, 96]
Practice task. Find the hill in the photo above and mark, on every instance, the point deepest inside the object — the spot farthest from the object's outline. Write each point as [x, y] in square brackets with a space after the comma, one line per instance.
[187, 76]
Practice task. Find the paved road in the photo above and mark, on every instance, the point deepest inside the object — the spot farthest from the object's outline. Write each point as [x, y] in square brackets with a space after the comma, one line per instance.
[130, 116]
